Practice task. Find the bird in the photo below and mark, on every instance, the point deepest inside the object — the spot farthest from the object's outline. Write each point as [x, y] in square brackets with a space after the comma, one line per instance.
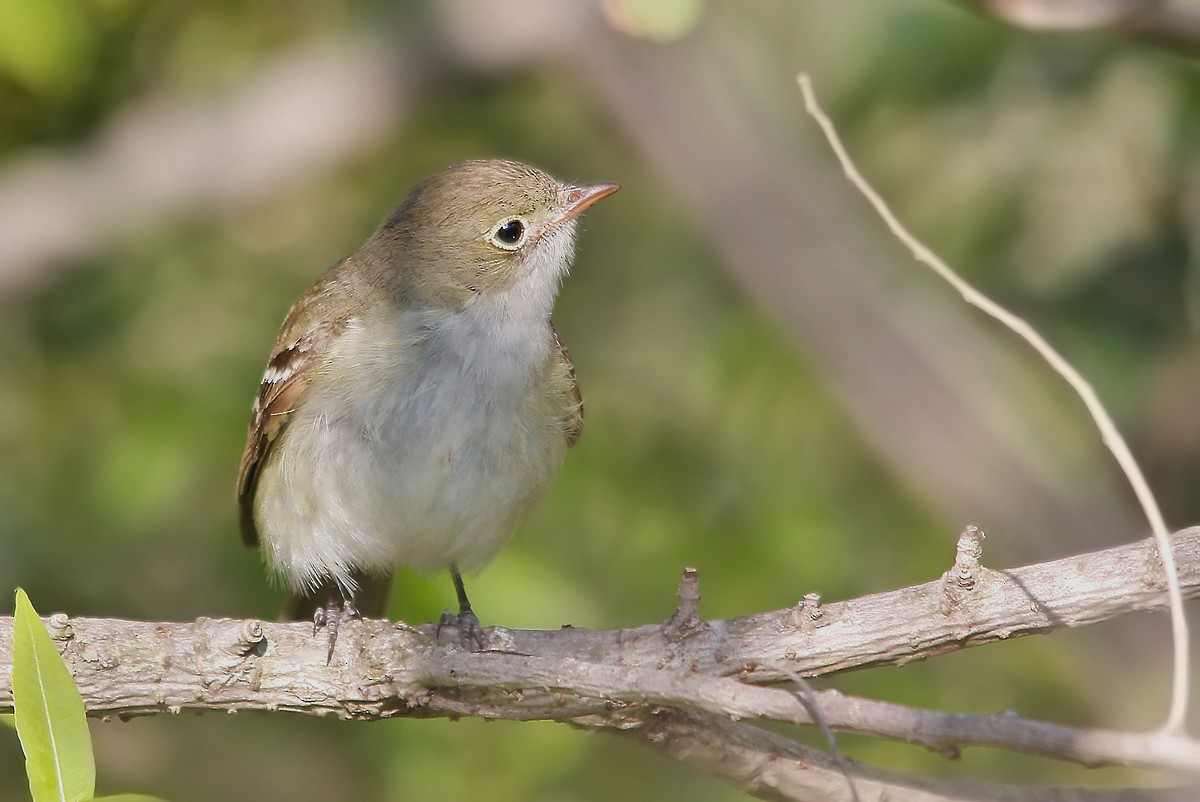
[417, 400]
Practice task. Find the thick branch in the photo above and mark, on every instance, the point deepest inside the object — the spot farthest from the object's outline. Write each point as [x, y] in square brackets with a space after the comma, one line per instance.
[382, 669]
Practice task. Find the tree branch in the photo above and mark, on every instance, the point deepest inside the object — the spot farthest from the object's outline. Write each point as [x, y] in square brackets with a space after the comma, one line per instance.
[1156, 22]
[306, 112]
[772, 767]
[692, 666]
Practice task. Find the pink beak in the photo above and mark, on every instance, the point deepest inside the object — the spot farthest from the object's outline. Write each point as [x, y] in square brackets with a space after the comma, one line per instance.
[579, 198]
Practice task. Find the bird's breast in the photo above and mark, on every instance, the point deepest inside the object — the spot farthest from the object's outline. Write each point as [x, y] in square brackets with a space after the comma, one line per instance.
[449, 438]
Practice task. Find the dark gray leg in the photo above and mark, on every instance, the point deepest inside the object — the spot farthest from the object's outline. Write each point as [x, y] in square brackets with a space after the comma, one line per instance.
[470, 633]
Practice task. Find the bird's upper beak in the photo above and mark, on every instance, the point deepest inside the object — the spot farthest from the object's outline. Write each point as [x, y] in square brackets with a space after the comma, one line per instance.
[579, 198]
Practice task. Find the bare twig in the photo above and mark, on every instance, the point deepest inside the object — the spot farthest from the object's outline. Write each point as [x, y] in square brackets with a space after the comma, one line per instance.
[921, 389]
[686, 618]
[806, 695]
[1108, 430]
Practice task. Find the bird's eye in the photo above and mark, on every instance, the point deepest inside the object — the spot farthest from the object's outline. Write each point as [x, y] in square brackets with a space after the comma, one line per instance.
[509, 234]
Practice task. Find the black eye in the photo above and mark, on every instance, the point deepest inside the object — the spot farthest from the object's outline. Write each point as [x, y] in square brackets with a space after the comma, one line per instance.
[511, 232]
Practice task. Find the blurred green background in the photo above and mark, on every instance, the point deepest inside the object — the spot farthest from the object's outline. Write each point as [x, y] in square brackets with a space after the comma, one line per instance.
[776, 394]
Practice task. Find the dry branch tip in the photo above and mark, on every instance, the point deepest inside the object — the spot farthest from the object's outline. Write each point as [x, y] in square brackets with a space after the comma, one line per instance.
[686, 618]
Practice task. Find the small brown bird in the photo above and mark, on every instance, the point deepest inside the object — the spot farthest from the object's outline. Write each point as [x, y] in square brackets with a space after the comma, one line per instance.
[418, 401]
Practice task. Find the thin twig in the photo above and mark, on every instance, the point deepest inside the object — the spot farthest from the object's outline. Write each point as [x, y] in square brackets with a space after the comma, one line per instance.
[1108, 430]
[806, 696]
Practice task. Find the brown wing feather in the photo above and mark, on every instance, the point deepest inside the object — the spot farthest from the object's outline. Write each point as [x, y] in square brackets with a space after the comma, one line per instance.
[287, 376]
[574, 421]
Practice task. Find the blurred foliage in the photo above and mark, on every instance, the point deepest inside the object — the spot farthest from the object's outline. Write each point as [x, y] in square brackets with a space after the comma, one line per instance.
[662, 21]
[1059, 173]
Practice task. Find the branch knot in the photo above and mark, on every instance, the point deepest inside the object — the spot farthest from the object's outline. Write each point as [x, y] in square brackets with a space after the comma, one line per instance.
[686, 619]
[959, 581]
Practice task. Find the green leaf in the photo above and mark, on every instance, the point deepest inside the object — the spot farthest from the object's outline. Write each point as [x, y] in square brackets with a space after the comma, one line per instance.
[49, 713]
[127, 798]
[7, 720]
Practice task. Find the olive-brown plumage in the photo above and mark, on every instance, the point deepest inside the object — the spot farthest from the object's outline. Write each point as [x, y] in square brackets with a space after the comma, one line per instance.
[417, 401]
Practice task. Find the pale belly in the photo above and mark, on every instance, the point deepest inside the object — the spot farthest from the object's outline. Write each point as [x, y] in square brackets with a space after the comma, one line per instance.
[439, 469]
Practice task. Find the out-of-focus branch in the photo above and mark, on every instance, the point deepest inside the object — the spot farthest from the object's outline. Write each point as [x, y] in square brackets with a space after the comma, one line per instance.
[926, 397]
[306, 112]
[1157, 22]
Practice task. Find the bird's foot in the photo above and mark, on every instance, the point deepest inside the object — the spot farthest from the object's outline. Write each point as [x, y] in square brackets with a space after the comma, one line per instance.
[470, 633]
[336, 609]
[466, 625]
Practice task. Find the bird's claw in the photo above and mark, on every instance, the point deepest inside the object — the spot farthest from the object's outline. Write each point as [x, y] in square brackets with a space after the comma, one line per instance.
[330, 616]
[467, 626]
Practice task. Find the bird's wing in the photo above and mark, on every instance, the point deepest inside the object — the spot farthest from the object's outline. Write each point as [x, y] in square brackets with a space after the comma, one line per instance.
[288, 374]
[573, 423]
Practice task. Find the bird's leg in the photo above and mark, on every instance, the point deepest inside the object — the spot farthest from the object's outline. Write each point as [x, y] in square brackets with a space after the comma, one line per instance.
[338, 605]
[467, 620]
[470, 633]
